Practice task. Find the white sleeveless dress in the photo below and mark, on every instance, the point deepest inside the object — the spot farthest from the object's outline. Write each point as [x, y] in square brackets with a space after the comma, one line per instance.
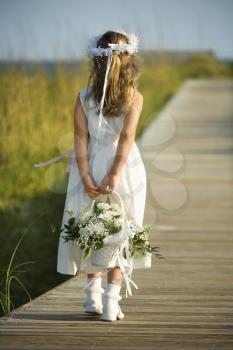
[132, 184]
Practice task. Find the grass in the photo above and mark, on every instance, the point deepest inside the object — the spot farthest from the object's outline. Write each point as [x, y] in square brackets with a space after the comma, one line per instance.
[9, 275]
[36, 123]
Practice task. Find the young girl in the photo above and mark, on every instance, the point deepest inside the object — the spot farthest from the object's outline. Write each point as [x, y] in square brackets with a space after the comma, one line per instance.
[105, 157]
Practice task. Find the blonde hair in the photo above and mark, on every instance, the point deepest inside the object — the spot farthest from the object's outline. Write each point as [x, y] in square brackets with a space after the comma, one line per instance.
[122, 77]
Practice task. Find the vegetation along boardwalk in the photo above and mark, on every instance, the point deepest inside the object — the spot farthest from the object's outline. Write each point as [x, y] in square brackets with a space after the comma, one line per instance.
[184, 301]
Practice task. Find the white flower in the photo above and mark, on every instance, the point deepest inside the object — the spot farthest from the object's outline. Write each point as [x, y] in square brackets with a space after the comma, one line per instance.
[97, 228]
[116, 209]
[116, 213]
[84, 231]
[84, 234]
[118, 222]
[105, 216]
[103, 206]
[91, 228]
[84, 215]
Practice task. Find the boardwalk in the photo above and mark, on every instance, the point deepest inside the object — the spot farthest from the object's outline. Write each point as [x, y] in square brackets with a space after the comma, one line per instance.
[186, 300]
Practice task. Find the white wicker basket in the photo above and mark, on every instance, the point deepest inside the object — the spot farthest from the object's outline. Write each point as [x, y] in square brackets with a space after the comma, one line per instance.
[104, 257]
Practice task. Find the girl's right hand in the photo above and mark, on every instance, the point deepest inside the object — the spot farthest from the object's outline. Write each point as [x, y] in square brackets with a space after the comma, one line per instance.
[90, 187]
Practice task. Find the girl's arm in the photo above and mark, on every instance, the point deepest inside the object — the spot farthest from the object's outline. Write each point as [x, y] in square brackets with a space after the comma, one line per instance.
[81, 139]
[127, 136]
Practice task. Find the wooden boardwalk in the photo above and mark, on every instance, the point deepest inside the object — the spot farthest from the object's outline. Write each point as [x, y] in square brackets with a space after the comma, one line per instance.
[186, 300]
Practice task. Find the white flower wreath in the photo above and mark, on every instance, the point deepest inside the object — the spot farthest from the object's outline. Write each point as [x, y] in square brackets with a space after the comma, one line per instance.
[131, 48]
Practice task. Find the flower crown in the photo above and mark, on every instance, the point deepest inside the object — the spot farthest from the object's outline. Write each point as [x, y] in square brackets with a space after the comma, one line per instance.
[131, 48]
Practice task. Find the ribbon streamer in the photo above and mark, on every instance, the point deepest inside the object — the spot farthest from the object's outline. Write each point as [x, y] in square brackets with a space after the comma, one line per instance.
[126, 274]
[69, 153]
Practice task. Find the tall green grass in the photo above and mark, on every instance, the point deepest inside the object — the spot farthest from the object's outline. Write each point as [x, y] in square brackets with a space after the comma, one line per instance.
[36, 121]
[9, 275]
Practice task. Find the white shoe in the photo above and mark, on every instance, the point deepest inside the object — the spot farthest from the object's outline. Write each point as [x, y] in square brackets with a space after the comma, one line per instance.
[111, 308]
[93, 301]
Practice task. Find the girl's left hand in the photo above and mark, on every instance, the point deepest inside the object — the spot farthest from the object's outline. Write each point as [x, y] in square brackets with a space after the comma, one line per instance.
[109, 183]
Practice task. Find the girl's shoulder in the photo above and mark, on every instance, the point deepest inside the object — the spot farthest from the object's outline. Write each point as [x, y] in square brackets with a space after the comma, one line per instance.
[85, 92]
[138, 98]
[86, 99]
[138, 94]
[137, 102]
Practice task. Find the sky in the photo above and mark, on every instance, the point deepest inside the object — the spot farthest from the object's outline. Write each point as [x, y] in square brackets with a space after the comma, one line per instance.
[60, 29]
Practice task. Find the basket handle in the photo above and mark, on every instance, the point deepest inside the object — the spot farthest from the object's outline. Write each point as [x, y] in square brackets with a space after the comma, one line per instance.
[119, 197]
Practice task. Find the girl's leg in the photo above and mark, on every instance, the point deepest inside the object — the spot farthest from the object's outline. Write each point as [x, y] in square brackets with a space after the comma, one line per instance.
[94, 275]
[115, 275]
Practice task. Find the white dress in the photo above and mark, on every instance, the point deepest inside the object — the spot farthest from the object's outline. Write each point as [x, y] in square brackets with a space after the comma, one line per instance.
[131, 186]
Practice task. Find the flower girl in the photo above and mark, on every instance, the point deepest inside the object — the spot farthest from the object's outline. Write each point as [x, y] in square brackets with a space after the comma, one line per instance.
[105, 159]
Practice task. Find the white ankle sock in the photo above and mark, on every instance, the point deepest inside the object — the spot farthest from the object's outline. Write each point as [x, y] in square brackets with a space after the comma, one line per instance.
[117, 281]
[111, 308]
[112, 287]
[94, 282]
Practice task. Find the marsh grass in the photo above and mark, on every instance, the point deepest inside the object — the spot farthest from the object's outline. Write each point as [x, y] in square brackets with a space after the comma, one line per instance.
[9, 275]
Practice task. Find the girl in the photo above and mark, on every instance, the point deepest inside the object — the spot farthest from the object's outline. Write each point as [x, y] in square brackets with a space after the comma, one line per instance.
[105, 157]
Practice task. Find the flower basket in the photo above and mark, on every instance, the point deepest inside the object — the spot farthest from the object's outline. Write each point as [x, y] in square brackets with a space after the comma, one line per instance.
[111, 239]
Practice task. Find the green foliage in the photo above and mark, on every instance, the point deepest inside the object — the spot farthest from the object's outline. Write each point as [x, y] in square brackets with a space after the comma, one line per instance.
[139, 244]
[203, 66]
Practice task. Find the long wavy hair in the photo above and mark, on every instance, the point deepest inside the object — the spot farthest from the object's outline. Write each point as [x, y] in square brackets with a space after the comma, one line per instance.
[122, 77]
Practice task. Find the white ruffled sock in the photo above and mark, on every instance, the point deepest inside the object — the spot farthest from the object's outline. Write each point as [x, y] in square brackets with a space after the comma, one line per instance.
[93, 291]
[111, 307]
[94, 282]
